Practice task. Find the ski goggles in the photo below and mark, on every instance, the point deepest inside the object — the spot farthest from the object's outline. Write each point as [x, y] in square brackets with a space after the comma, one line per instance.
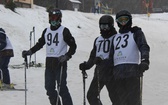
[104, 27]
[123, 20]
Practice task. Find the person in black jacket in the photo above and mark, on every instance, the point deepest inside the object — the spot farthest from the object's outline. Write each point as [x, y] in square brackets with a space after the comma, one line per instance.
[130, 53]
[100, 56]
[6, 52]
[57, 39]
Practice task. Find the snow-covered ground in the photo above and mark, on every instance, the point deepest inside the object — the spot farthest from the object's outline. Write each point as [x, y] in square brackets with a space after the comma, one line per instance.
[18, 26]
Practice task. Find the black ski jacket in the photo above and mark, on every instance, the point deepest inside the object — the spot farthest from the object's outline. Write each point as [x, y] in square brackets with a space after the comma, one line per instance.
[52, 62]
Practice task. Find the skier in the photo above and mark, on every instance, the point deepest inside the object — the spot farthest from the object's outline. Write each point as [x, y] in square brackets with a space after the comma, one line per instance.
[57, 39]
[100, 56]
[131, 59]
[96, 9]
[6, 52]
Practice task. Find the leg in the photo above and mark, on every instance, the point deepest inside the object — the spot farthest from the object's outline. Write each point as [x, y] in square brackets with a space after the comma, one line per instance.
[4, 61]
[133, 90]
[120, 92]
[50, 86]
[64, 91]
[112, 90]
[92, 94]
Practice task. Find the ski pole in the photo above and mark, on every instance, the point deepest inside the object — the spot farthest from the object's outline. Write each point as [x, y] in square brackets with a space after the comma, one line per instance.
[1, 80]
[98, 85]
[84, 77]
[141, 87]
[34, 44]
[26, 66]
[59, 85]
[98, 61]
[30, 47]
[1, 72]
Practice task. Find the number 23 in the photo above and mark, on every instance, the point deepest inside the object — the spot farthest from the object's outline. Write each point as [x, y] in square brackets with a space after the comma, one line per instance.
[123, 45]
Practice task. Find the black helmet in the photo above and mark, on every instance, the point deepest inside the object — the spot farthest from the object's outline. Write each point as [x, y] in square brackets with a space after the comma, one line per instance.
[123, 13]
[106, 23]
[126, 14]
[55, 16]
[106, 19]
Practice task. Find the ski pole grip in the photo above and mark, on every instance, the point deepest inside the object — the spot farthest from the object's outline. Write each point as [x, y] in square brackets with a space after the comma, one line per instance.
[84, 74]
[26, 64]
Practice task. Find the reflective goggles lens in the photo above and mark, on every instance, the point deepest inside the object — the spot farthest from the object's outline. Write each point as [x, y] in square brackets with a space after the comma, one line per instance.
[123, 20]
[104, 27]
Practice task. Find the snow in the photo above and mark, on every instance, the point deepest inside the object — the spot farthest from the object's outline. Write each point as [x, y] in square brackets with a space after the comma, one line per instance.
[75, 1]
[84, 27]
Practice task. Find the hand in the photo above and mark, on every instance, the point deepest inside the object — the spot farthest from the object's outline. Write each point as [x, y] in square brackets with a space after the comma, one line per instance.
[83, 66]
[63, 58]
[97, 60]
[144, 65]
[26, 53]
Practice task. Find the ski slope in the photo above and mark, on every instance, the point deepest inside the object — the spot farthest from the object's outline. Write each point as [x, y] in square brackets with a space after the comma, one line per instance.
[84, 27]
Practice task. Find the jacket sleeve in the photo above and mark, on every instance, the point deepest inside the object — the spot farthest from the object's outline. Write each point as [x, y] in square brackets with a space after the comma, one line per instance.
[39, 44]
[2, 41]
[92, 56]
[142, 44]
[70, 40]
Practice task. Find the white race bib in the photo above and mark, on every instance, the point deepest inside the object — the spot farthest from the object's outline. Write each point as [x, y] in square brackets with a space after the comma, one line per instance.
[103, 47]
[55, 44]
[125, 49]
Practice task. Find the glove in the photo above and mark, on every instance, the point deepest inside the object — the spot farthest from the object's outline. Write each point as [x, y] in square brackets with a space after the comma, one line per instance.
[135, 29]
[26, 53]
[83, 66]
[143, 66]
[63, 58]
[97, 60]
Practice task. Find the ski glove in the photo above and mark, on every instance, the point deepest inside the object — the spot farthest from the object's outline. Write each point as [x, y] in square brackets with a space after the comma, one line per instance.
[63, 58]
[26, 53]
[83, 66]
[143, 66]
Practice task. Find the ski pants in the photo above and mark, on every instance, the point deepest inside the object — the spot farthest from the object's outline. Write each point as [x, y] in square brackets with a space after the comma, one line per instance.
[4, 72]
[52, 79]
[128, 90]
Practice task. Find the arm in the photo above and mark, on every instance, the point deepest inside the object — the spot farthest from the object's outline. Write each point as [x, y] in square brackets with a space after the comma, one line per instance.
[39, 44]
[142, 44]
[144, 51]
[69, 39]
[2, 41]
[87, 65]
[92, 57]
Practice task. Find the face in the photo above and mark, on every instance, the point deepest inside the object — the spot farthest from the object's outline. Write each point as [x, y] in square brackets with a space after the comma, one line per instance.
[104, 26]
[54, 18]
[123, 20]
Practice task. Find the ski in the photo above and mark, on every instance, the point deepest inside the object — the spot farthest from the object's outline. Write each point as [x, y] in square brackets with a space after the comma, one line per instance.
[9, 87]
[19, 66]
[15, 89]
